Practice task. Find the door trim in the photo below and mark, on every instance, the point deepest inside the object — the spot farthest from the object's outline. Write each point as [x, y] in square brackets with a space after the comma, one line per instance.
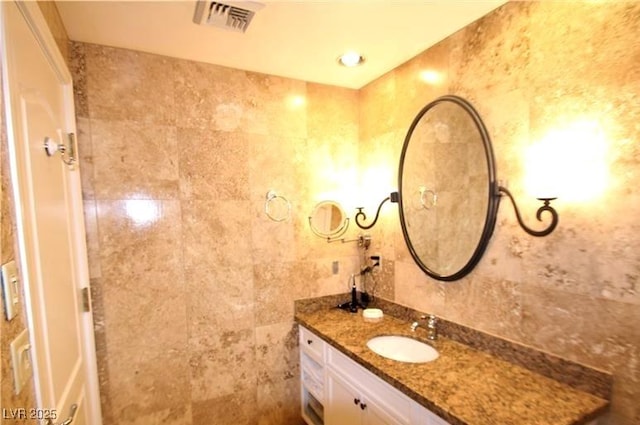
[40, 29]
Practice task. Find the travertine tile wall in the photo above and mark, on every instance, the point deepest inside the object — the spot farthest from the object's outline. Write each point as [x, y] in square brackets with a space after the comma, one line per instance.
[193, 284]
[530, 68]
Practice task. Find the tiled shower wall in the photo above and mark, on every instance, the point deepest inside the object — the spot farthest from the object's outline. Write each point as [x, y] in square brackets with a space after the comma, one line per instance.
[531, 68]
[193, 284]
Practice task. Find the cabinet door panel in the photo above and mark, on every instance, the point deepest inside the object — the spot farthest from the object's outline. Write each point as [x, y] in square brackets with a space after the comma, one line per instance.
[376, 416]
[341, 408]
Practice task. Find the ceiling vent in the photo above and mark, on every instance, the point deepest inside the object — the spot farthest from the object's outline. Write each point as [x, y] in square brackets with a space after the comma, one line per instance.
[230, 15]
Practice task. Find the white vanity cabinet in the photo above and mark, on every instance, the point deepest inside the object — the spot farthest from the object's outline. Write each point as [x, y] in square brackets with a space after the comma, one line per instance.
[354, 392]
[312, 377]
[349, 394]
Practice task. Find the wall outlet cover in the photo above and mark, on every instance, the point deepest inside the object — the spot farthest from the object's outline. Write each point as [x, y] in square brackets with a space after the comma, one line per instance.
[10, 289]
[21, 360]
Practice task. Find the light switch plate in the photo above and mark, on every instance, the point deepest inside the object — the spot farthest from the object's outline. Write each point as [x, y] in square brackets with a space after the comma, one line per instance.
[21, 360]
[10, 289]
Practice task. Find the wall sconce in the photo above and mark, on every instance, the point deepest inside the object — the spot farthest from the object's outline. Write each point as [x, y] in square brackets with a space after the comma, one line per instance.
[393, 197]
[546, 207]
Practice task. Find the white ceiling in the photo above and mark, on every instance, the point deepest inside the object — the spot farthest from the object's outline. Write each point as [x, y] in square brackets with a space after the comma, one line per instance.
[296, 39]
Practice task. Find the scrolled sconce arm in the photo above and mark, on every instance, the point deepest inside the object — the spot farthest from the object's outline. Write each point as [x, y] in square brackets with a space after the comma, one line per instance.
[361, 215]
[544, 208]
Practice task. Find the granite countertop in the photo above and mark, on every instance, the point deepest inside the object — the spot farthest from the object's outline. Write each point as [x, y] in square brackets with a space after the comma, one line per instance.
[463, 385]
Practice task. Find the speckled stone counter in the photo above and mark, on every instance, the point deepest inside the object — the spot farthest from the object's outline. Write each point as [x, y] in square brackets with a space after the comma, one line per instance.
[465, 386]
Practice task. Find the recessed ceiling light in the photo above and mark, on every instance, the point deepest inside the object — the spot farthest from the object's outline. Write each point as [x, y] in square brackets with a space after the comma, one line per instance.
[351, 59]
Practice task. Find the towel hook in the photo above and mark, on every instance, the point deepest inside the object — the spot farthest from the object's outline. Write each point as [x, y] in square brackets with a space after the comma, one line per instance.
[67, 152]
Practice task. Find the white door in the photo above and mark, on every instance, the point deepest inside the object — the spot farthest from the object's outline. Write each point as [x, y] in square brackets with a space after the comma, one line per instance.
[49, 211]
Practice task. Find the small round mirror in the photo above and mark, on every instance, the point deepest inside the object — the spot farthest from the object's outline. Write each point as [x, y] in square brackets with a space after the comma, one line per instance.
[328, 219]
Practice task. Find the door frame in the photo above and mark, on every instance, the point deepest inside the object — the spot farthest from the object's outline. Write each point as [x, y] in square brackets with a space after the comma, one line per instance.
[40, 29]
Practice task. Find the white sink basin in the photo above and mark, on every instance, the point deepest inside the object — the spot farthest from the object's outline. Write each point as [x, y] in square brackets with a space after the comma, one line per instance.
[402, 349]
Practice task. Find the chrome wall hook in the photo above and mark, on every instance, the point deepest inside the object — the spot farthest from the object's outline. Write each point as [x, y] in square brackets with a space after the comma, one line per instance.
[67, 153]
[546, 207]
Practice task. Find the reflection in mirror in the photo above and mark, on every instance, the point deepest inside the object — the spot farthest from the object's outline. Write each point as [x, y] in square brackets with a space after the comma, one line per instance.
[328, 220]
[446, 182]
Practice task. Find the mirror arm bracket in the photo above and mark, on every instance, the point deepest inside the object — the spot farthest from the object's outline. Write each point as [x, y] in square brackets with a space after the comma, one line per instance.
[335, 237]
[393, 197]
[546, 207]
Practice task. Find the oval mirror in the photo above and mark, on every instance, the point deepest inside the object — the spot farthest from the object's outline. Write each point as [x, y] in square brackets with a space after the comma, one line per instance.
[447, 186]
[328, 219]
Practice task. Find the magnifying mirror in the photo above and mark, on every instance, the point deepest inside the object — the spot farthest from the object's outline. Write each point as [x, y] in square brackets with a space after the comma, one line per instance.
[328, 220]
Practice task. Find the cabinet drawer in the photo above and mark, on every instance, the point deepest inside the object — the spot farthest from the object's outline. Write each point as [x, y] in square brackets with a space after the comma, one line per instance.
[396, 403]
[312, 344]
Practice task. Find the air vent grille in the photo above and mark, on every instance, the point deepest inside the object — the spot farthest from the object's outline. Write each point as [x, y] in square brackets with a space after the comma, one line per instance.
[234, 16]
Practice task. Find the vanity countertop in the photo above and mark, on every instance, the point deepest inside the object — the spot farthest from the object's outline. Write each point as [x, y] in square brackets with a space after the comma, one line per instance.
[465, 386]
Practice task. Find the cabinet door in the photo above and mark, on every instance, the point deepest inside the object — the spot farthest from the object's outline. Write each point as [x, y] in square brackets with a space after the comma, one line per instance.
[374, 415]
[342, 402]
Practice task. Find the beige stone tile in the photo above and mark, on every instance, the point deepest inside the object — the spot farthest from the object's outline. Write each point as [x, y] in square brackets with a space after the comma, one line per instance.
[129, 85]
[502, 259]
[233, 409]
[596, 259]
[227, 99]
[421, 80]
[278, 285]
[279, 403]
[210, 96]
[157, 310]
[148, 231]
[378, 111]
[179, 415]
[485, 304]
[414, 289]
[129, 151]
[381, 283]
[141, 275]
[102, 352]
[225, 367]
[332, 111]
[213, 164]
[596, 332]
[218, 298]
[276, 164]
[502, 34]
[92, 238]
[85, 156]
[7, 210]
[272, 240]
[278, 105]
[277, 354]
[149, 388]
[583, 45]
[216, 234]
[78, 70]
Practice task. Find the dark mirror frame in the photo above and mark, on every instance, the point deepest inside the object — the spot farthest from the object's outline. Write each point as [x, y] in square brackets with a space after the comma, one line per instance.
[493, 198]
